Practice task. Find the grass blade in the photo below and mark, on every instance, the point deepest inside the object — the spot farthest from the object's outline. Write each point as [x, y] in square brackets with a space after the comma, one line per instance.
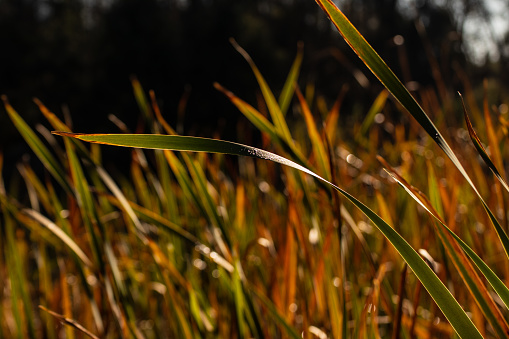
[70, 322]
[274, 109]
[495, 282]
[85, 202]
[377, 106]
[57, 231]
[460, 261]
[285, 98]
[380, 69]
[314, 135]
[40, 150]
[444, 299]
[480, 148]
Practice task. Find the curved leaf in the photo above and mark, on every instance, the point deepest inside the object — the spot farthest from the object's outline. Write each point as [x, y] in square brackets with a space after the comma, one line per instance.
[380, 69]
[444, 299]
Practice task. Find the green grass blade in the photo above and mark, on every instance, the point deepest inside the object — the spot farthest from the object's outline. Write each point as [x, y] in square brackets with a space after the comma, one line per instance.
[85, 202]
[200, 181]
[141, 99]
[495, 282]
[37, 146]
[380, 69]
[454, 250]
[274, 109]
[239, 301]
[19, 282]
[251, 113]
[444, 299]
[377, 106]
[264, 125]
[290, 331]
[285, 98]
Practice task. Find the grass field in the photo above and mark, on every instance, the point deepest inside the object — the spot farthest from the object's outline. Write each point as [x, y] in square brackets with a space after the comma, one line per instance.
[391, 227]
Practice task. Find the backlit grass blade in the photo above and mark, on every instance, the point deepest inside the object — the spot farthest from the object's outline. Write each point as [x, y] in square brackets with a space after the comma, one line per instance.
[251, 113]
[57, 231]
[380, 69]
[264, 125]
[9, 256]
[491, 133]
[316, 142]
[290, 331]
[40, 150]
[285, 98]
[480, 148]
[155, 218]
[444, 299]
[495, 282]
[141, 99]
[474, 283]
[274, 109]
[70, 322]
[85, 202]
[376, 108]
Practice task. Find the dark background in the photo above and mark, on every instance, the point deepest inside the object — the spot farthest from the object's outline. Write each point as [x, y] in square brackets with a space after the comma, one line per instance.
[81, 55]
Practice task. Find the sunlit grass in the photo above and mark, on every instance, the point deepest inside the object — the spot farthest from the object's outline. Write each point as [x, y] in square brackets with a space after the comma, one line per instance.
[230, 243]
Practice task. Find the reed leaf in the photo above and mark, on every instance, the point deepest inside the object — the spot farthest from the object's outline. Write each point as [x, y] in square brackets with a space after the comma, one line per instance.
[380, 69]
[444, 299]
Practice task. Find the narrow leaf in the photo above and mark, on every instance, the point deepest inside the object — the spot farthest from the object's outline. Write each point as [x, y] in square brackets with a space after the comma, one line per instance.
[285, 98]
[444, 299]
[40, 150]
[480, 148]
[275, 112]
[380, 69]
[470, 277]
[59, 233]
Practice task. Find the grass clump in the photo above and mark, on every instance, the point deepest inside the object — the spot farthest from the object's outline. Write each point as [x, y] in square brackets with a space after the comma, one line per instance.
[203, 244]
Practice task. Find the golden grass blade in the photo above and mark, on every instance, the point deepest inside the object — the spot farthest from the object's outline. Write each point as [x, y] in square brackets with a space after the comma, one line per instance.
[331, 121]
[481, 150]
[454, 248]
[376, 108]
[314, 135]
[85, 202]
[69, 322]
[59, 233]
[274, 109]
[265, 126]
[251, 113]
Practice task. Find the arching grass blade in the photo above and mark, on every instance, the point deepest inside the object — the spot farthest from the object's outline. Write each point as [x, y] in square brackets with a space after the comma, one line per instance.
[380, 69]
[444, 299]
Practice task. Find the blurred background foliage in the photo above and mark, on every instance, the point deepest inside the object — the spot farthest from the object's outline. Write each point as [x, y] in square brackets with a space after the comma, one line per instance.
[78, 55]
